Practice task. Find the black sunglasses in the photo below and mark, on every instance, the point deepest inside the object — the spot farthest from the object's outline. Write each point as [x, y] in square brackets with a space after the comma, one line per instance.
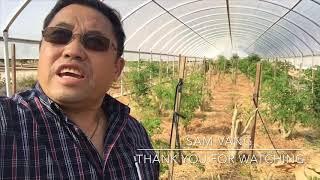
[90, 40]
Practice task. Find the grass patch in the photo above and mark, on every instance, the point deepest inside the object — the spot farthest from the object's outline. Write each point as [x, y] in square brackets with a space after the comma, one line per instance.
[152, 125]
[244, 171]
[159, 144]
[26, 83]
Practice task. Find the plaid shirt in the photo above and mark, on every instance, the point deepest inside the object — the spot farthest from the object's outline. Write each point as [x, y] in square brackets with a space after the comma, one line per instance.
[37, 141]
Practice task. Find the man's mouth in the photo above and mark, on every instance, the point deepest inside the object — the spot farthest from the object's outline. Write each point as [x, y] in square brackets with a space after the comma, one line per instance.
[70, 72]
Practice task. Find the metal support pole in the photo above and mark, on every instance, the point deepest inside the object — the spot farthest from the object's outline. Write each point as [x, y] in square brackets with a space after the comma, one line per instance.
[6, 45]
[312, 71]
[121, 80]
[160, 69]
[173, 66]
[13, 66]
[194, 64]
[6, 63]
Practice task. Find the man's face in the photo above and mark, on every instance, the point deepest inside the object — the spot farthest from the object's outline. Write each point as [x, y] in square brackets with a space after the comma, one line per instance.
[70, 73]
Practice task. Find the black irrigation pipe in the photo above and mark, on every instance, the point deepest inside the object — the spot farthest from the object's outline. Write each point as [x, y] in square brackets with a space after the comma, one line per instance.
[175, 120]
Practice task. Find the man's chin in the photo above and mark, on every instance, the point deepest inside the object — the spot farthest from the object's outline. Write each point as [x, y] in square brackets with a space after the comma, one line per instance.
[68, 96]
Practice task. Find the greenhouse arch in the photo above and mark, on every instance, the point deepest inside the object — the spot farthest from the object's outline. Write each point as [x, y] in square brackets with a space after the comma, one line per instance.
[217, 68]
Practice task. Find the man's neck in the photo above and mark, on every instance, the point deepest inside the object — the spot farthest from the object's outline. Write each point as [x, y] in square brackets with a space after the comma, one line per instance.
[86, 119]
[93, 123]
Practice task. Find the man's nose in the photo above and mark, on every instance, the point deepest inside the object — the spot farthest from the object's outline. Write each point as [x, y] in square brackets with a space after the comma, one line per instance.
[74, 49]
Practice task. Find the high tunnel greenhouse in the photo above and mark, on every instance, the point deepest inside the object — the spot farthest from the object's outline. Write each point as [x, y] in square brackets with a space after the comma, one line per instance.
[286, 29]
[200, 28]
[251, 71]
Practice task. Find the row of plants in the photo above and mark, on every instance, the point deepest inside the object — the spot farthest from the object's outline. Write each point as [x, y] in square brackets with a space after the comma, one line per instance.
[312, 78]
[155, 98]
[285, 91]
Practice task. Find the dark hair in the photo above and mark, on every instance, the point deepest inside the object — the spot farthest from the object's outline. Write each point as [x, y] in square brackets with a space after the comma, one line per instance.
[110, 13]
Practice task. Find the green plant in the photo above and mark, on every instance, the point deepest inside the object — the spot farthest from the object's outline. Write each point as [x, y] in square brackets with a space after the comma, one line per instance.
[289, 101]
[192, 96]
[159, 144]
[316, 101]
[248, 65]
[152, 125]
[245, 171]
[2, 82]
[223, 64]
[140, 86]
[153, 69]
[164, 95]
[26, 82]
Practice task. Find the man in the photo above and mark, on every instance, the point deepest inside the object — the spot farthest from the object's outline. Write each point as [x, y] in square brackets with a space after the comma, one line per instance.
[67, 127]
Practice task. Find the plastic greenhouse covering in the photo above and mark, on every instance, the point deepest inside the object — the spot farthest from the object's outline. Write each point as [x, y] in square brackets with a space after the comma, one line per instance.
[208, 89]
[286, 29]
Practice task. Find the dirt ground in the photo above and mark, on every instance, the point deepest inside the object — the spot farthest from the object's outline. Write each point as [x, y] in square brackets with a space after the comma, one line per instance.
[210, 129]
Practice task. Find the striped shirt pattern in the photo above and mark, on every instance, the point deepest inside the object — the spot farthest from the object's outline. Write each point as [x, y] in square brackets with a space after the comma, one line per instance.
[38, 141]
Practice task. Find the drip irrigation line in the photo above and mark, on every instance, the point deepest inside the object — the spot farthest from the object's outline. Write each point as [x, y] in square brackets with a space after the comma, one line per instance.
[175, 121]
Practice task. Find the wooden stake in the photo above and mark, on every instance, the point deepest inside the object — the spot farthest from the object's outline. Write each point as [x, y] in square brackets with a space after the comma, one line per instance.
[139, 61]
[204, 85]
[224, 66]
[274, 68]
[175, 122]
[236, 72]
[150, 62]
[160, 69]
[173, 73]
[312, 88]
[167, 66]
[312, 80]
[256, 102]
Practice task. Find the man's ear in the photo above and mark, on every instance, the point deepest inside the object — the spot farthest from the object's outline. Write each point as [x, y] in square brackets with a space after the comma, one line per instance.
[120, 62]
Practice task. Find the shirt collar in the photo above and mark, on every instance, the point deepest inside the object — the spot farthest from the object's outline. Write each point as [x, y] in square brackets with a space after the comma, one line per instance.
[49, 103]
[109, 105]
